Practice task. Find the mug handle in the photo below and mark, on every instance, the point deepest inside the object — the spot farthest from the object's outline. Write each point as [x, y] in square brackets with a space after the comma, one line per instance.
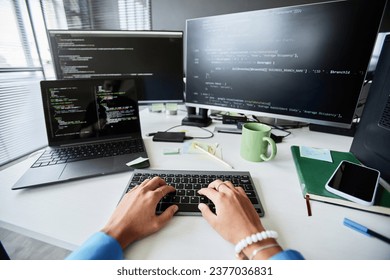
[273, 149]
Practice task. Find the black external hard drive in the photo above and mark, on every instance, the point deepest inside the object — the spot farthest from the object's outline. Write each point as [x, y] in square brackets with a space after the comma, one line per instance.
[169, 136]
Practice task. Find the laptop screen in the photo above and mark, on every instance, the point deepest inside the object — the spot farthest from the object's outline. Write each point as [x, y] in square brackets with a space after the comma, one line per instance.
[90, 109]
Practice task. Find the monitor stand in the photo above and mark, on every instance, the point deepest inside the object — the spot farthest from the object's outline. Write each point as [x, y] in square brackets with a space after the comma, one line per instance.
[334, 130]
[312, 127]
[200, 119]
[278, 122]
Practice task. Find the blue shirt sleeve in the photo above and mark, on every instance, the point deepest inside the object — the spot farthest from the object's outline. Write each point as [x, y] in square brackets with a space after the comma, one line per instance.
[287, 255]
[99, 246]
[102, 246]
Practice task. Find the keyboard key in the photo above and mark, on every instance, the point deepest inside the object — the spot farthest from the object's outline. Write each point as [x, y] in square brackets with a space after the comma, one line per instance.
[194, 199]
[190, 193]
[186, 207]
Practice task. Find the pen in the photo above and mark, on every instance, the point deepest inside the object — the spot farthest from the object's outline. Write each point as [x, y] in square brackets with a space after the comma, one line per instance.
[364, 230]
[213, 156]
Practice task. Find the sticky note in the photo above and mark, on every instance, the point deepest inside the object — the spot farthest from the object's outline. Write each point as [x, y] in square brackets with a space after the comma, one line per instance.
[315, 153]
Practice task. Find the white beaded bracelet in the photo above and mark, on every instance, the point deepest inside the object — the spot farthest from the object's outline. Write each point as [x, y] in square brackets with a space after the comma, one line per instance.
[256, 237]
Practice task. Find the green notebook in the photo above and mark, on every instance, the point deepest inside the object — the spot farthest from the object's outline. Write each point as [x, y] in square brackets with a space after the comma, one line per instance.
[313, 175]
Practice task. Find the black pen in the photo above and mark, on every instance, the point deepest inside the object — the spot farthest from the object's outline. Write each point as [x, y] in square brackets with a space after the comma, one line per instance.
[364, 230]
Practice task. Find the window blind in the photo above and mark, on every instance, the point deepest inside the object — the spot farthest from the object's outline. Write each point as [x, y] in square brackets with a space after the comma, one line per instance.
[22, 128]
[134, 14]
[97, 14]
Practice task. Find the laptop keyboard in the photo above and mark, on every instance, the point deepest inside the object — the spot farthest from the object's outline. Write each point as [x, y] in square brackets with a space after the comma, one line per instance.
[89, 151]
[187, 184]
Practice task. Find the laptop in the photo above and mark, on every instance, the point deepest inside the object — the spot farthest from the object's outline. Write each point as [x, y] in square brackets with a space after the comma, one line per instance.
[93, 128]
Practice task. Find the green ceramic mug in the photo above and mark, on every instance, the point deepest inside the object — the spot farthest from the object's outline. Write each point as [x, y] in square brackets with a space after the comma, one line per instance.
[255, 142]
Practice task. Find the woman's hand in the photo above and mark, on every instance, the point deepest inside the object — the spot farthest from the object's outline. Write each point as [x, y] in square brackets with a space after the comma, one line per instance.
[135, 216]
[235, 217]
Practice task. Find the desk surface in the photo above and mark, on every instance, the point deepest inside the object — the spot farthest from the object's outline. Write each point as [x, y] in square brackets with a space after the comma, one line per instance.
[67, 214]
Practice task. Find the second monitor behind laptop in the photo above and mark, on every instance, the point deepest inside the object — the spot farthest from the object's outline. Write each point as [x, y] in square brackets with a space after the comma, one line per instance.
[156, 56]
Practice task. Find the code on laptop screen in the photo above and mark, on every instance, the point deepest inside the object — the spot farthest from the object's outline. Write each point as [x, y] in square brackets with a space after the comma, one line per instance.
[85, 109]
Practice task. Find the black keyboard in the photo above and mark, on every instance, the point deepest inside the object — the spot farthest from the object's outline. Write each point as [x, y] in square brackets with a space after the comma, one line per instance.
[89, 151]
[187, 184]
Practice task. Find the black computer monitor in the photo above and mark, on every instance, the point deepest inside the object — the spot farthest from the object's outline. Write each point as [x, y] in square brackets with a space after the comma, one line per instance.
[372, 139]
[154, 57]
[303, 63]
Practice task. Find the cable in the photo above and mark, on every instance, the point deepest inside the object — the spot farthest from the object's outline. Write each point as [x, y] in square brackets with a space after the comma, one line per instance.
[195, 137]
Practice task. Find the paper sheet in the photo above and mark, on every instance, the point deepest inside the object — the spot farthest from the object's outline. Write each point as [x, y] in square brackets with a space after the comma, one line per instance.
[136, 161]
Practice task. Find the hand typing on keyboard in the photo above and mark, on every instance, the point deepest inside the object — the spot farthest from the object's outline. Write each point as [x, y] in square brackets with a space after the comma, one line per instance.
[135, 216]
[234, 216]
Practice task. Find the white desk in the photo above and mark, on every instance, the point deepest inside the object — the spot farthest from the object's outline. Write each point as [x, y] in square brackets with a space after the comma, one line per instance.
[66, 214]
